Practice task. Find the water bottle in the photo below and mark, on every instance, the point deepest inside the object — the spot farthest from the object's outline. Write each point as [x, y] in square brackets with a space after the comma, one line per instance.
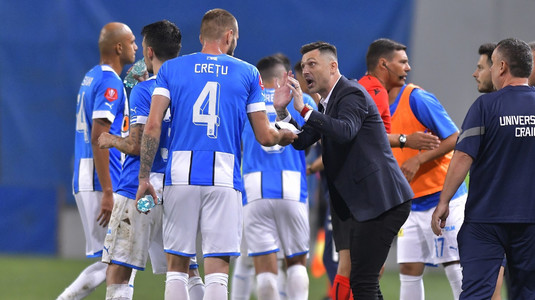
[139, 69]
[146, 203]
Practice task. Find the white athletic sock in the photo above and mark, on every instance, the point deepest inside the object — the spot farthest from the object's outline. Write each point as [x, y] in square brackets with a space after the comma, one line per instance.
[242, 280]
[455, 277]
[119, 292]
[176, 286]
[266, 286]
[216, 286]
[195, 288]
[132, 278]
[411, 287]
[131, 282]
[281, 280]
[297, 287]
[86, 282]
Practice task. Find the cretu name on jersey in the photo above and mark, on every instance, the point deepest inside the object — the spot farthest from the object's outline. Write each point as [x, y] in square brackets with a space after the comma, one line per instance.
[211, 69]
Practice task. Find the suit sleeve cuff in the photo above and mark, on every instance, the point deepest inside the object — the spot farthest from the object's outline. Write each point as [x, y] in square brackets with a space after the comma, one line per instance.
[307, 115]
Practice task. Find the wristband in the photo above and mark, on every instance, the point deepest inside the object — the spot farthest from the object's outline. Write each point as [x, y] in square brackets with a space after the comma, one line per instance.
[305, 109]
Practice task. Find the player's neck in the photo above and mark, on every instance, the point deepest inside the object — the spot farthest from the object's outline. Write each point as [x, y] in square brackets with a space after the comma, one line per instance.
[270, 84]
[515, 81]
[213, 47]
[379, 77]
[156, 65]
[115, 64]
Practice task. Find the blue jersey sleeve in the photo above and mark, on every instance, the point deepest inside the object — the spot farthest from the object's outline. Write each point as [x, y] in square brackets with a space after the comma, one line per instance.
[428, 110]
[255, 96]
[162, 86]
[109, 91]
[140, 102]
[472, 130]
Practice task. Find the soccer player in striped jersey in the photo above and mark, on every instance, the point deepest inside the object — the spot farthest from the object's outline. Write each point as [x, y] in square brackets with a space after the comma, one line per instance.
[101, 107]
[161, 42]
[210, 94]
[275, 206]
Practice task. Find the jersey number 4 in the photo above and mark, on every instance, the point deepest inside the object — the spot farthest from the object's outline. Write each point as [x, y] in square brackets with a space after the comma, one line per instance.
[206, 109]
[81, 124]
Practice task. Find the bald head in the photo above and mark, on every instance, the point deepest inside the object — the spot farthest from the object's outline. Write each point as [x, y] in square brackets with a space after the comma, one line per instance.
[112, 34]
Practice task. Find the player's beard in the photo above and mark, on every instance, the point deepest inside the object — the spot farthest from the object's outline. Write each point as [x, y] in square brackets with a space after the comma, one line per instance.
[231, 48]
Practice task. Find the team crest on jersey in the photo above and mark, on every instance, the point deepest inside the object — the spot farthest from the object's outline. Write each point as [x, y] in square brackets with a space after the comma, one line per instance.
[111, 94]
[261, 83]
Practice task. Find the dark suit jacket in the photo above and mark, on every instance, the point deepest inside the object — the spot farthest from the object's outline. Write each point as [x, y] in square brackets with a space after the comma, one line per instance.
[358, 160]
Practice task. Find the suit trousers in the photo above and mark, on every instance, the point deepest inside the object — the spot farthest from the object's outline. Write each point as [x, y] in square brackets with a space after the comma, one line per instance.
[369, 244]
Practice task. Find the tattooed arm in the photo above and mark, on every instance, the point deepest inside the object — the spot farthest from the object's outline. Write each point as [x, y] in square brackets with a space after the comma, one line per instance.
[150, 143]
[128, 145]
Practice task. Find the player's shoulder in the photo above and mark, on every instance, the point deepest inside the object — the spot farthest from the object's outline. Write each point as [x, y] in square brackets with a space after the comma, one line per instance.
[424, 96]
[146, 85]
[143, 90]
[239, 63]
[108, 75]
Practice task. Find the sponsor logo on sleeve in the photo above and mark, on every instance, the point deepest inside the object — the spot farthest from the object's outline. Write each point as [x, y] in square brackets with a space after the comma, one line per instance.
[260, 82]
[111, 94]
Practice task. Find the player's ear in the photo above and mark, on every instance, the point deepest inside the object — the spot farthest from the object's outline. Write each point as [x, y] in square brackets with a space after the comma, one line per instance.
[150, 52]
[382, 63]
[504, 67]
[334, 66]
[229, 36]
[119, 48]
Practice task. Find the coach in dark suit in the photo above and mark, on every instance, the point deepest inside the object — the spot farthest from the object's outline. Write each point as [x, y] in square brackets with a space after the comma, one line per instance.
[370, 197]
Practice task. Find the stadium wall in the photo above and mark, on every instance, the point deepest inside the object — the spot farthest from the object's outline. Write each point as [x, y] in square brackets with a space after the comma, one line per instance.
[46, 48]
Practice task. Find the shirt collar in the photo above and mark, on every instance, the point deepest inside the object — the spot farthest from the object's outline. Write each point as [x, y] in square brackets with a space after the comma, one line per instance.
[326, 100]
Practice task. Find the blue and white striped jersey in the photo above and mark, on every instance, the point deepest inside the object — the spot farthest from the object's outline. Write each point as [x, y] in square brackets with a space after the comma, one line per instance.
[274, 172]
[140, 99]
[210, 96]
[101, 96]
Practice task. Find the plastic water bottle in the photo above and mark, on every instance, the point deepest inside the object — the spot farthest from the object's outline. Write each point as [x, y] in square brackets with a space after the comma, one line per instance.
[146, 203]
[139, 69]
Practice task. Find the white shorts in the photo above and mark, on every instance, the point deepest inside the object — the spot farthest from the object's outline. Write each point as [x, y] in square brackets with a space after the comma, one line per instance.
[133, 235]
[269, 223]
[248, 260]
[88, 204]
[417, 242]
[213, 210]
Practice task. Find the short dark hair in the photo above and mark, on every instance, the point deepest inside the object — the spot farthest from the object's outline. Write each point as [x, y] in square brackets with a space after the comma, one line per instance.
[216, 22]
[266, 67]
[381, 48]
[487, 49]
[164, 38]
[518, 56]
[284, 59]
[532, 45]
[298, 68]
[323, 47]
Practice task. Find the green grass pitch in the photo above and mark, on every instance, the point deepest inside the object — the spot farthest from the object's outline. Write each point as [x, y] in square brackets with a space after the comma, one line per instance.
[29, 277]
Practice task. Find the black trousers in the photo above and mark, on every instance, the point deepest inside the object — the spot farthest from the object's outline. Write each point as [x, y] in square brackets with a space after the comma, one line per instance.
[369, 244]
